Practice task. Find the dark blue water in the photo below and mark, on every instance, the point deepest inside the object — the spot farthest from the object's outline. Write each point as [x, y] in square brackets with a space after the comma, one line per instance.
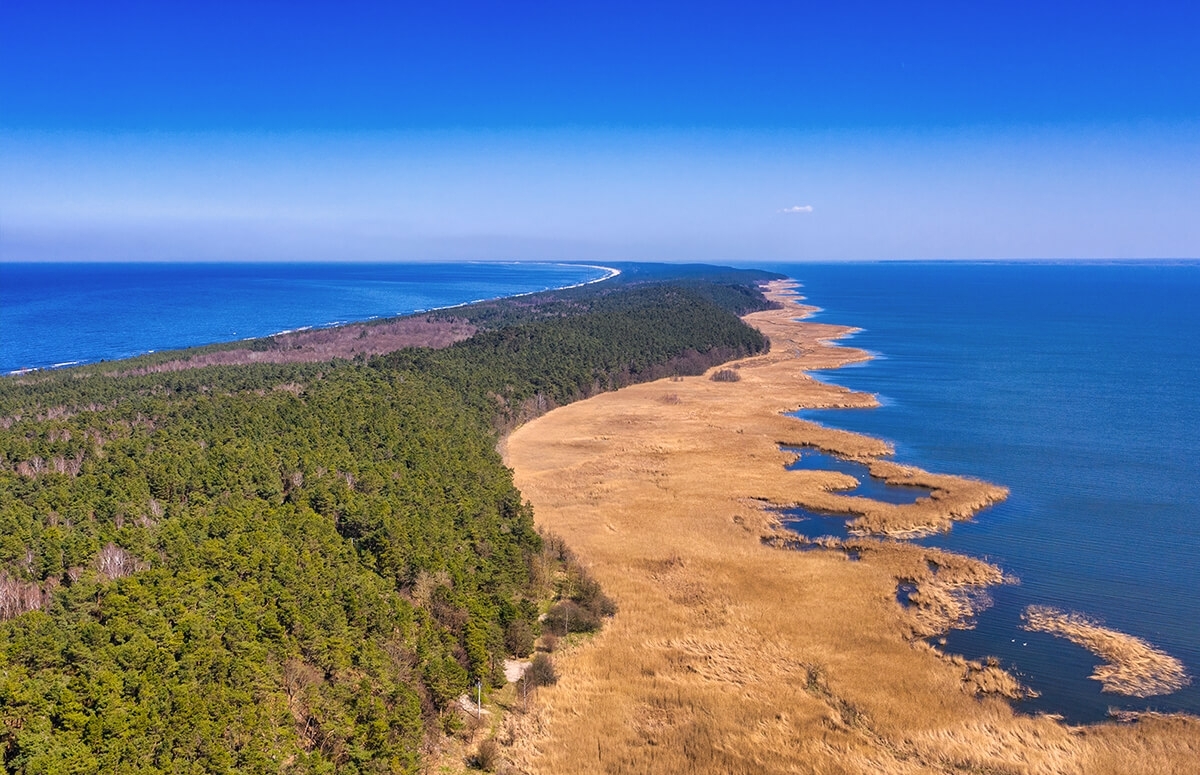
[809, 459]
[1077, 387]
[815, 524]
[60, 314]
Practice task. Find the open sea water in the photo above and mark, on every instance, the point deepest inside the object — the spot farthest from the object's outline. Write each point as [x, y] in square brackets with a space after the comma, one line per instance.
[64, 314]
[1074, 385]
[1078, 387]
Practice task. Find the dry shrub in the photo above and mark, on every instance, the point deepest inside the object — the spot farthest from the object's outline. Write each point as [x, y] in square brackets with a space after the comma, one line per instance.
[487, 756]
[541, 672]
[582, 603]
[726, 375]
[568, 616]
[518, 637]
[555, 548]
[591, 597]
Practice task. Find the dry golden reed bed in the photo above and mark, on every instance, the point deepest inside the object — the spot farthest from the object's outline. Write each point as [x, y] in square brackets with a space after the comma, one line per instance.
[1132, 666]
[731, 656]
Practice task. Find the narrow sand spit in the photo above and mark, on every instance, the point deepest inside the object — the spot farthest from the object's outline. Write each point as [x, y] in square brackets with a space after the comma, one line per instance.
[729, 655]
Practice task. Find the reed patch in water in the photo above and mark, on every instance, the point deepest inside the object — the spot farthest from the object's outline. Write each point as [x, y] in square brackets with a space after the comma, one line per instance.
[729, 657]
[1131, 665]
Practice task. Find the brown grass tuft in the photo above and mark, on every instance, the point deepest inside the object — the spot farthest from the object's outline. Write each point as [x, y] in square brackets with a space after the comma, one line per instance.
[729, 656]
[1132, 666]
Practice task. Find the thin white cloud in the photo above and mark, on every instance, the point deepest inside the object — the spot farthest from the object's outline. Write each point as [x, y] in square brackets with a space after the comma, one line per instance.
[797, 209]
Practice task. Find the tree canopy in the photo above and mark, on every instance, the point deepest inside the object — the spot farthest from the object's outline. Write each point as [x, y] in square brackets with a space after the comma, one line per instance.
[296, 566]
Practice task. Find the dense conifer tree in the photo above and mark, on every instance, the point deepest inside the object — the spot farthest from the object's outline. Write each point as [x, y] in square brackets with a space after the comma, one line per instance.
[296, 566]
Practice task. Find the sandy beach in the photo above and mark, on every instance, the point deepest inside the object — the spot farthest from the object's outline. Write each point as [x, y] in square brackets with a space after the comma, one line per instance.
[731, 653]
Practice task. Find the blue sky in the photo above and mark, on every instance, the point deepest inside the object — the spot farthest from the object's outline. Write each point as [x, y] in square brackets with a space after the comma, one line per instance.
[703, 131]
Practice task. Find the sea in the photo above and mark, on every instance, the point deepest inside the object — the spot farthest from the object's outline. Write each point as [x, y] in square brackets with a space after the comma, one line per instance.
[1075, 385]
[1078, 387]
[57, 315]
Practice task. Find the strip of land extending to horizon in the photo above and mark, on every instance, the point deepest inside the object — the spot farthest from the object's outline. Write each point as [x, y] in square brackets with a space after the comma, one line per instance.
[732, 654]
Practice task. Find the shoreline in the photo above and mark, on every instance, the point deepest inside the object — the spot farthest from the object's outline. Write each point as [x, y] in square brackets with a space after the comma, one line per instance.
[665, 490]
[1128, 665]
[611, 272]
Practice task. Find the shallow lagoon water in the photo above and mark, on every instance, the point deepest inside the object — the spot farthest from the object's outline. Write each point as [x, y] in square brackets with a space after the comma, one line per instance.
[815, 524]
[810, 459]
[1073, 385]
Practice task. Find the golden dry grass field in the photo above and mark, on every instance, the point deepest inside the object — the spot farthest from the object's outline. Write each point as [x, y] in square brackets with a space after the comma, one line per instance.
[730, 655]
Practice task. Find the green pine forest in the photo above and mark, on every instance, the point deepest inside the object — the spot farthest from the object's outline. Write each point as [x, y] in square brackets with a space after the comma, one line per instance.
[300, 567]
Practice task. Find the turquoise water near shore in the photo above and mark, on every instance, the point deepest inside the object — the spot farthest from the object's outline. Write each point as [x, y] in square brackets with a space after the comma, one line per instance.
[1073, 385]
[63, 314]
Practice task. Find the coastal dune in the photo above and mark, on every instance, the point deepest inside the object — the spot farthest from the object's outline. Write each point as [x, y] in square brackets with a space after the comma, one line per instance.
[730, 654]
